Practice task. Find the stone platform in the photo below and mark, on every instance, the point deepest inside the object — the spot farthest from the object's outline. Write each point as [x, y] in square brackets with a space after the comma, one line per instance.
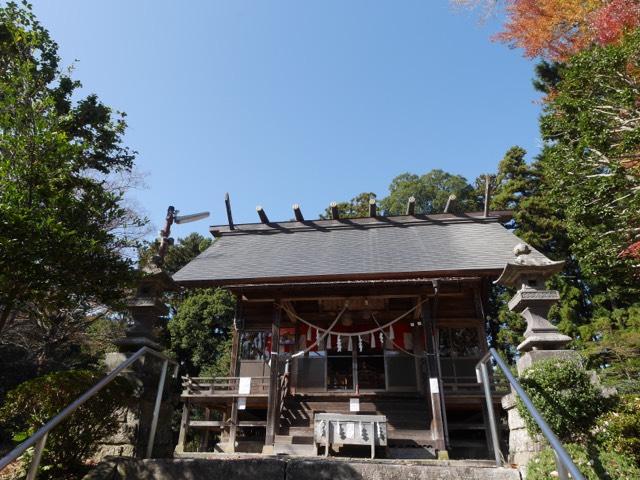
[253, 467]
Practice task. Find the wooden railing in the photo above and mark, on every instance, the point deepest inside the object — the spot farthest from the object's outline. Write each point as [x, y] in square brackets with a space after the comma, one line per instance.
[202, 387]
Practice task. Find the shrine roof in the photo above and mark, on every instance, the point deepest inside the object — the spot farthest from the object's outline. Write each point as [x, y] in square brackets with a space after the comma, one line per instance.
[406, 246]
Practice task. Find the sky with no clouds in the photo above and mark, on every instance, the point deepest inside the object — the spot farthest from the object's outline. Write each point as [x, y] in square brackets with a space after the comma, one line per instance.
[288, 101]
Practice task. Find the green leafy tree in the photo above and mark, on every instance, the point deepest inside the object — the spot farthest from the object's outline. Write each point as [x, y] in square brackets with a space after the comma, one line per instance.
[178, 255]
[357, 207]
[431, 192]
[63, 221]
[200, 329]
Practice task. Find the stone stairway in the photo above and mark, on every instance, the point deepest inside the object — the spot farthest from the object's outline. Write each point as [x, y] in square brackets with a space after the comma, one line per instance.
[246, 467]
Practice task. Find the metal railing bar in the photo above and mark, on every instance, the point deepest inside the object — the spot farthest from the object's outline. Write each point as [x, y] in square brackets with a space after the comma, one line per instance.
[563, 460]
[490, 413]
[156, 408]
[37, 456]
[42, 432]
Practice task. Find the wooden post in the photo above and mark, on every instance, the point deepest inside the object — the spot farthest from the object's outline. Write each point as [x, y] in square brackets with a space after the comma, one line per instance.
[335, 212]
[227, 204]
[487, 195]
[234, 370]
[233, 428]
[262, 214]
[298, 213]
[372, 207]
[434, 384]
[184, 427]
[204, 440]
[411, 206]
[273, 409]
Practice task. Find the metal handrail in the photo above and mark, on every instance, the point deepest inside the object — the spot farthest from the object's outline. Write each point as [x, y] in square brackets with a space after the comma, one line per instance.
[564, 463]
[39, 438]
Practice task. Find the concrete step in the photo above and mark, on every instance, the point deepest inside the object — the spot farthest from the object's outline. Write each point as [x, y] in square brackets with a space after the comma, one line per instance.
[250, 467]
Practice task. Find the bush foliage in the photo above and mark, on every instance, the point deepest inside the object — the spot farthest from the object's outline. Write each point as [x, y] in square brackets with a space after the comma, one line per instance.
[619, 430]
[593, 463]
[563, 393]
[72, 443]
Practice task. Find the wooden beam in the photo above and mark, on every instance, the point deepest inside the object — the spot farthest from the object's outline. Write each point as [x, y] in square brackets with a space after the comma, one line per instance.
[372, 207]
[487, 197]
[273, 409]
[262, 214]
[335, 212]
[227, 203]
[411, 206]
[297, 212]
[433, 382]
[451, 199]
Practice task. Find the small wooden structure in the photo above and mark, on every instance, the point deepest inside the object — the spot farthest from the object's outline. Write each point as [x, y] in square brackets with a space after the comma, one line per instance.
[385, 311]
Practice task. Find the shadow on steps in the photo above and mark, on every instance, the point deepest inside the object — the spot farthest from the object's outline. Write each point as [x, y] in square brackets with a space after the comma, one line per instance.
[295, 468]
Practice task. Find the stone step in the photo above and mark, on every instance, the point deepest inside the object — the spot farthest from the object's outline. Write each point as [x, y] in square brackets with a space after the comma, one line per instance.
[250, 467]
[295, 449]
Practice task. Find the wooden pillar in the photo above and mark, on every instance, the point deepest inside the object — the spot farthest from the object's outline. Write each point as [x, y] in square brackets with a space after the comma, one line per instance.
[434, 384]
[273, 409]
[233, 428]
[184, 428]
[234, 370]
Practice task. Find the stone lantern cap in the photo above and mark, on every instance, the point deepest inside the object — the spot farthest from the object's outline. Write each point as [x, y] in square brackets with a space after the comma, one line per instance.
[527, 271]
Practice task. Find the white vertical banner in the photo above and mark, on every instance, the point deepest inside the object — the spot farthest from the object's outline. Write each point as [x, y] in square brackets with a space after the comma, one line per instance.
[354, 404]
[242, 403]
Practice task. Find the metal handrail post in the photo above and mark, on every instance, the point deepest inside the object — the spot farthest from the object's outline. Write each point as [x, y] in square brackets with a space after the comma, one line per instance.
[561, 454]
[484, 376]
[563, 474]
[37, 456]
[156, 408]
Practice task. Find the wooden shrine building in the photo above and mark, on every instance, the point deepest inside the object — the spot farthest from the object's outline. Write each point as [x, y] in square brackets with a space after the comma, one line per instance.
[376, 315]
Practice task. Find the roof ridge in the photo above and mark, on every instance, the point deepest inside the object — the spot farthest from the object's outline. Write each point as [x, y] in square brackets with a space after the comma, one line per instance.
[359, 223]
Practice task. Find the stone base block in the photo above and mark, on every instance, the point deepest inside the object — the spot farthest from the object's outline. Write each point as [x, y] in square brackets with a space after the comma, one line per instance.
[529, 358]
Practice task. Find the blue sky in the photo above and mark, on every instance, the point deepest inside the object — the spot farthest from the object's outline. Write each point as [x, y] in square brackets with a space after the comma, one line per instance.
[281, 102]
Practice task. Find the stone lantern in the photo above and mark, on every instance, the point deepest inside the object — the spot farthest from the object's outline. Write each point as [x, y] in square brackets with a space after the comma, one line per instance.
[542, 340]
[146, 309]
[532, 300]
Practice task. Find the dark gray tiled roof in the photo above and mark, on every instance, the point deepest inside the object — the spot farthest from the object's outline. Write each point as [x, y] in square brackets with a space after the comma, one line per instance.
[363, 248]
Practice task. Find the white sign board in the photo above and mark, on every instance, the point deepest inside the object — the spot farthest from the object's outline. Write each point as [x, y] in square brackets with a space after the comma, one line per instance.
[433, 385]
[354, 404]
[244, 388]
[242, 403]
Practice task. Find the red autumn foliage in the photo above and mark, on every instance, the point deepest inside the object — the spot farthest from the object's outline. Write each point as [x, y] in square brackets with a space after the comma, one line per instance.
[557, 29]
[611, 21]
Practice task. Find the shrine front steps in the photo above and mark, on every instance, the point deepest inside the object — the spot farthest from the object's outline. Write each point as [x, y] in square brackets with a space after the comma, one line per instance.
[260, 467]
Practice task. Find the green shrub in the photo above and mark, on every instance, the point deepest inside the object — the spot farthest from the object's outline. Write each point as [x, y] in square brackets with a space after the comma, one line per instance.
[73, 442]
[563, 393]
[593, 463]
[619, 429]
